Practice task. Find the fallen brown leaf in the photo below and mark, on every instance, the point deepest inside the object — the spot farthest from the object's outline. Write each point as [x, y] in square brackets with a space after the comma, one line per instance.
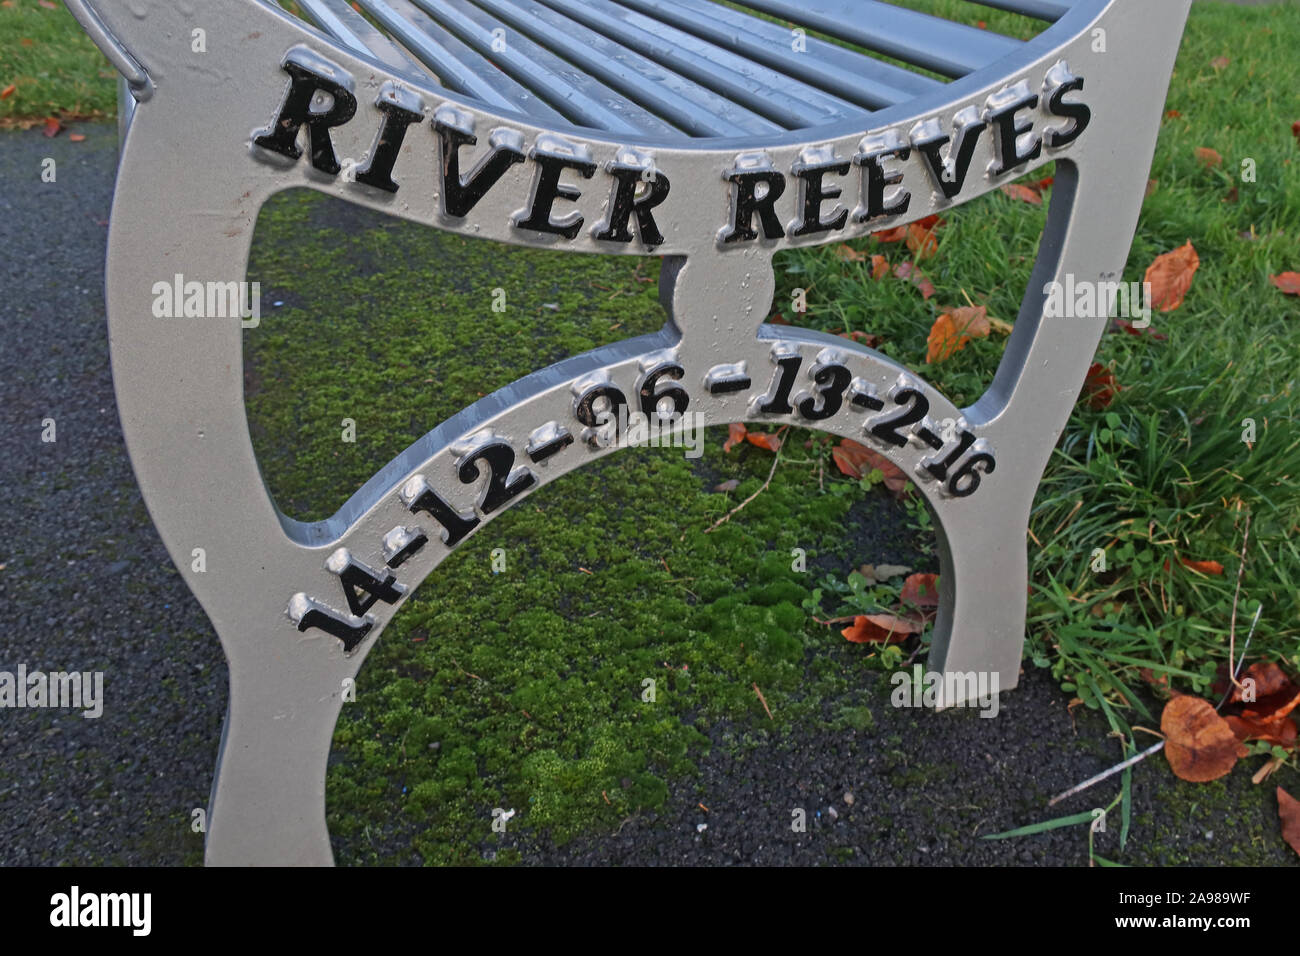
[1171, 275]
[1209, 157]
[867, 339]
[1205, 567]
[735, 435]
[856, 460]
[1099, 386]
[768, 440]
[880, 629]
[1269, 680]
[907, 270]
[8, 91]
[921, 241]
[1023, 193]
[1288, 812]
[1288, 282]
[1199, 744]
[921, 590]
[953, 329]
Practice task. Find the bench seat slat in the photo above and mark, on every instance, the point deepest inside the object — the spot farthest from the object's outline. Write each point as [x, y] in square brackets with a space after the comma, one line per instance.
[579, 97]
[948, 48]
[1049, 10]
[454, 65]
[869, 83]
[687, 105]
[338, 19]
[786, 101]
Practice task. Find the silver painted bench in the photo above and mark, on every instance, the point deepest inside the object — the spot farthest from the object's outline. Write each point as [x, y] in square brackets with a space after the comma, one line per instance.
[686, 129]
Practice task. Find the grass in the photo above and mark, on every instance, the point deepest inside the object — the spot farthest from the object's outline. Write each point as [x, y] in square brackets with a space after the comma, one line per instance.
[524, 689]
[54, 68]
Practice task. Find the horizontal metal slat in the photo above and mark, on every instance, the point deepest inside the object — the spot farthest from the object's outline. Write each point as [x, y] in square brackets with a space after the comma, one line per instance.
[791, 103]
[456, 66]
[343, 23]
[948, 48]
[1049, 10]
[871, 84]
[578, 97]
[685, 104]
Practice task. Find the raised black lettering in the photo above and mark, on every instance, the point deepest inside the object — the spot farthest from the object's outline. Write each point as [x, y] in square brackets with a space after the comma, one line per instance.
[814, 194]
[401, 108]
[745, 201]
[549, 188]
[460, 194]
[1001, 116]
[624, 203]
[1062, 82]
[310, 74]
[949, 176]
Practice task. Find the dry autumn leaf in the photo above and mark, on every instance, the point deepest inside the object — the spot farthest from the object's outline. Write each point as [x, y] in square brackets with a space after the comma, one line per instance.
[1288, 282]
[921, 241]
[1023, 193]
[1171, 276]
[879, 266]
[768, 440]
[1288, 812]
[76, 137]
[857, 460]
[921, 590]
[735, 435]
[8, 91]
[1125, 325]
[1173, 114]
[901, 233]
[897, 234]
[1278, 733]
[1269, 680]
[1199, 744]
[1209, 157]
[867, 339]
[848, 254]
[1205, 567]
[953, 329]
[1219, 62]
[52, 128]
[1099, 386]
[852, 458]
[907, 270]
[880, 629]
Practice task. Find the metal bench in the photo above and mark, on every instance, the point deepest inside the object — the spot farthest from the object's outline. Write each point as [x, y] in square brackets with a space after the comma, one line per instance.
[703, 133]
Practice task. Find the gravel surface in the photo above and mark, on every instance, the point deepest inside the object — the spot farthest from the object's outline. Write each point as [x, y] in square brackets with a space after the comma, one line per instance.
[88, 586]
